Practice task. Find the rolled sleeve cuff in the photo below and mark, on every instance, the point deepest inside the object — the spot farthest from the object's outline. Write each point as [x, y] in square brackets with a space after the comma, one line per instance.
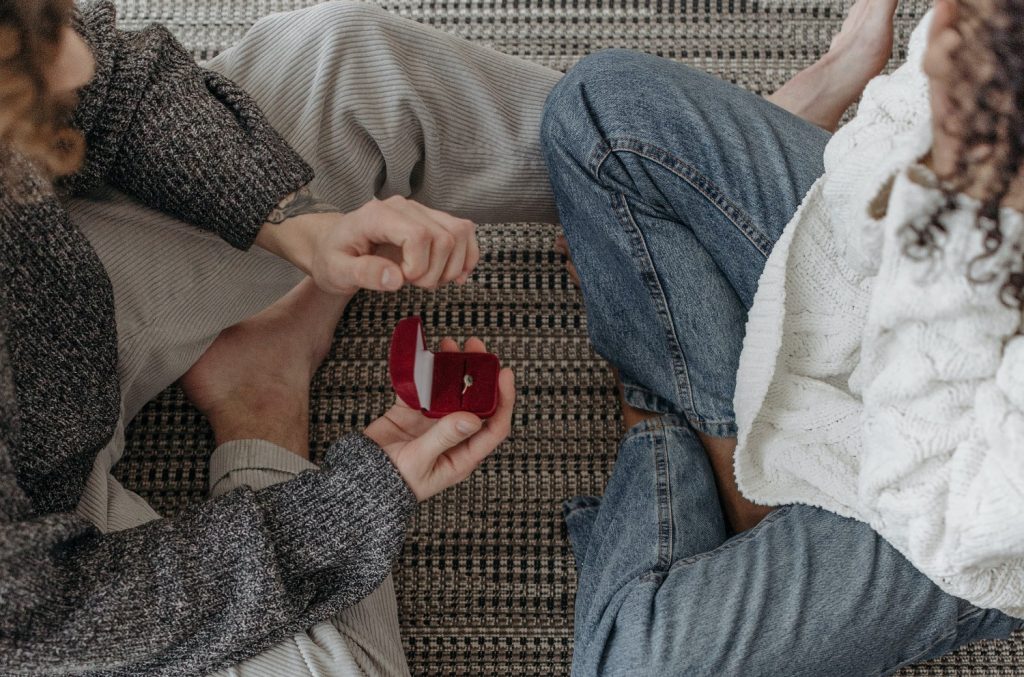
[256, 464]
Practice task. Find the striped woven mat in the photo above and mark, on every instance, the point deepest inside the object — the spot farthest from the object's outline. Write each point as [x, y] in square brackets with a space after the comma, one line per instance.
[486, 579]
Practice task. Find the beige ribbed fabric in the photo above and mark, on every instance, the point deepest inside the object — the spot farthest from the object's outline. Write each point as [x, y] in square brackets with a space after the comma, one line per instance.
[393, 107]
[378, 105]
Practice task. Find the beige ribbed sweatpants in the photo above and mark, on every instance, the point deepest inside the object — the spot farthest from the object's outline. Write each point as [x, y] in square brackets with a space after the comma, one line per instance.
[378, 106]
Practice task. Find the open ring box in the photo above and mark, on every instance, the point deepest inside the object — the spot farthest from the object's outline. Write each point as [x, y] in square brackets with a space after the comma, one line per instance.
[439, 384]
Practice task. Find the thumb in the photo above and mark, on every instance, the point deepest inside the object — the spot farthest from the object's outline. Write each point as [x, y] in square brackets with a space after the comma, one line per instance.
[376, 273]
[447, 433]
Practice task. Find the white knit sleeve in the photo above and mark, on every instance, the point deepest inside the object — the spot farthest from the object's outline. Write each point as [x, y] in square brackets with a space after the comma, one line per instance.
[942, 473]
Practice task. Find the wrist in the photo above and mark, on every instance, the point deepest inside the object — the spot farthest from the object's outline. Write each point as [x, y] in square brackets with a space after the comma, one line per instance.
[295, 239]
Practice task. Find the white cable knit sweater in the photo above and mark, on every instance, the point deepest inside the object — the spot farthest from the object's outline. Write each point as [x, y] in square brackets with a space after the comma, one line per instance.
[882, 388]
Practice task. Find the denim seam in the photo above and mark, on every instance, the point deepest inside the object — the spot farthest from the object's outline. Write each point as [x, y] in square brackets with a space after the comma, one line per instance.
[661, 468]
[598, 155]
[684, 390]
[741, 221]
[711, 427]
[714, 428]
[969, 615]
[688, 173]
[728, 545]
[659, 423]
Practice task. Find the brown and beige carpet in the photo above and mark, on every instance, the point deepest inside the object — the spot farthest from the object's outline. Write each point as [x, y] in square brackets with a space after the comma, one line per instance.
[486, 580]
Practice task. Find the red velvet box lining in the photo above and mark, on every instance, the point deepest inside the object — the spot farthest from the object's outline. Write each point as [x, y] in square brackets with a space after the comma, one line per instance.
[450, 370]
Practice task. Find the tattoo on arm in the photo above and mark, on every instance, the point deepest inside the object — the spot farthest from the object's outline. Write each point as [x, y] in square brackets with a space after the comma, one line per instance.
[298, 203]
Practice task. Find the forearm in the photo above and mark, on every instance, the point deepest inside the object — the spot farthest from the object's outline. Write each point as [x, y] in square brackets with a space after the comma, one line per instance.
[223, 576]
[177, 137]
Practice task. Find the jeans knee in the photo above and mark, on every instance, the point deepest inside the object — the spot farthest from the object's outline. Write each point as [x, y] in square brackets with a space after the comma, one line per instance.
[623, 94]
[560, 123]
[596, 88]
[613, 70]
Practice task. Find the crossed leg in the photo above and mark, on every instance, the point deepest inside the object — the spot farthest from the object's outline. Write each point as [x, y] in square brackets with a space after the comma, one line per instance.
[378, 106]
[673, 187]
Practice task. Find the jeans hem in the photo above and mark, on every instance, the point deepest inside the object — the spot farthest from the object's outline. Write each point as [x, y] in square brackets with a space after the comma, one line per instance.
[643, 399]
[920, 655]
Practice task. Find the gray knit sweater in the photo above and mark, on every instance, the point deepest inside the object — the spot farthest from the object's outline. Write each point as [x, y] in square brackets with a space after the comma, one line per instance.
[224, 579]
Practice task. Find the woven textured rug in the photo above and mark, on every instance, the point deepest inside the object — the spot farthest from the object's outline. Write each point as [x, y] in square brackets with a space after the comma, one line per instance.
[486, 580]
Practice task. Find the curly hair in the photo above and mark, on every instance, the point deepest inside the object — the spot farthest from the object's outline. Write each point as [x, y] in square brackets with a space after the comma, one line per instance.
[34, 122]
[987, 102]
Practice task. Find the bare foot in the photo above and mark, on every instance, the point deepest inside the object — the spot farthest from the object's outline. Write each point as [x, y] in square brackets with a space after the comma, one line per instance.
[864, 42]
[253, 381]
[858, 52]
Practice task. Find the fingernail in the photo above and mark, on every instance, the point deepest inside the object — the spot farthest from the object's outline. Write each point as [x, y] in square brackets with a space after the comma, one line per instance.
[387, 279]
[464, 427]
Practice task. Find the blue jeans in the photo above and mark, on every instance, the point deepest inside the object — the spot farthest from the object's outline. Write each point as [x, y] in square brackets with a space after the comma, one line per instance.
[672, 187]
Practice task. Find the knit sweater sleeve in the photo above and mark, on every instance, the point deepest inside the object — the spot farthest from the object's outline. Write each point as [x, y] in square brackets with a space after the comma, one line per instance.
[180, 138]
[213, 585]
[942, 469]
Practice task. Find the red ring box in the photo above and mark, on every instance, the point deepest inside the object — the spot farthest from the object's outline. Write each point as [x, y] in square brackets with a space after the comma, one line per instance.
[435, 383]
